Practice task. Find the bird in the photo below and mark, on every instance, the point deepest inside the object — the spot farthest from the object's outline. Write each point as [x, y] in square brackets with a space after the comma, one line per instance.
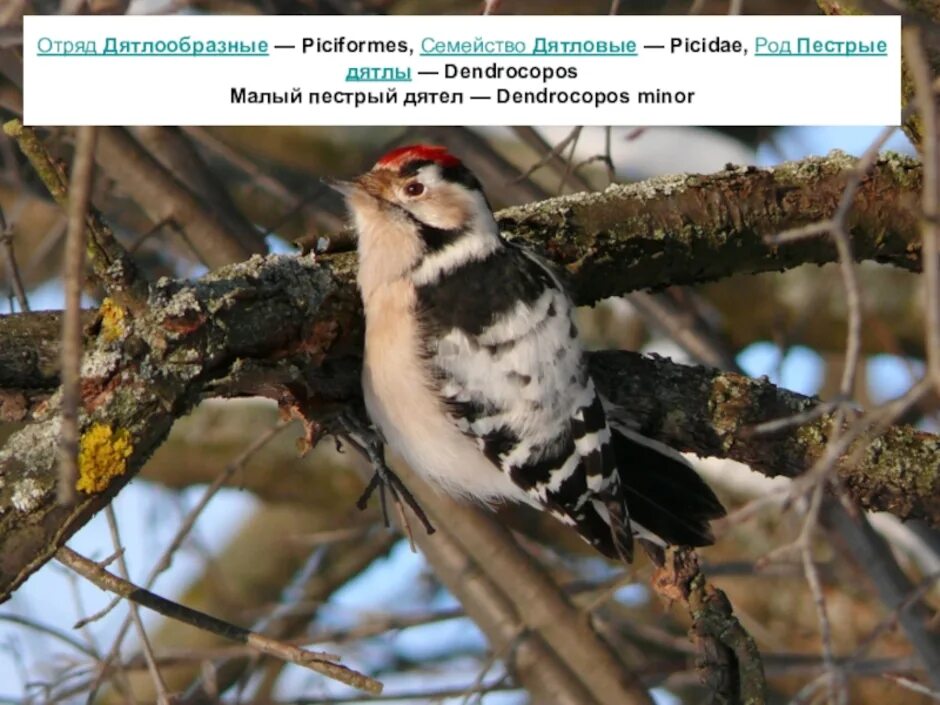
[474, 372]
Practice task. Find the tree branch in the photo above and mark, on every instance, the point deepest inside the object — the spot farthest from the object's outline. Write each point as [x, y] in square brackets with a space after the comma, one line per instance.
[677, 229]
[139, 374]
[316, 661]
[728, 662]
[290, 328]
[221, 240]
[688, 229]
[539, 606]
[713, 413]
[110, 261]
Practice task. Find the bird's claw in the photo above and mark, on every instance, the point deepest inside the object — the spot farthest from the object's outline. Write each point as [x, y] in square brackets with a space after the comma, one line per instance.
[351, 427]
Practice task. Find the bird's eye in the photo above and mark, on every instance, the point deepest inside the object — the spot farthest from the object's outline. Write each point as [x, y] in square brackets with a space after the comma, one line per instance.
[415, 188]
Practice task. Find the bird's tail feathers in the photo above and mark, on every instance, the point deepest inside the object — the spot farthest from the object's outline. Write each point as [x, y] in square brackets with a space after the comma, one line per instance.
[665, 497]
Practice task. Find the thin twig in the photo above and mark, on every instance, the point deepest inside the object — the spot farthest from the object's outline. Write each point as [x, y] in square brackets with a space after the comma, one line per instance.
[818, 478]
[800, 233]
[533, 139]
[890, 621]
[914, 686]
[80, 184]
[165, 559]
[49, 630]
[477, 688]
[320, 662]
[916, 60]
[832, 676]
[787, 422]
[608, 155]
[120, 681]
[163, 695]
[569, 162]
[13, 271]
[414, 695]
[847, 261]
[554, 153]
[108, 258]
[836, 679]
[837, 228]
[853, 298]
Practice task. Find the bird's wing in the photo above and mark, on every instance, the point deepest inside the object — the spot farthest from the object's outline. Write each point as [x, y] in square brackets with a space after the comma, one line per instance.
[506, 361]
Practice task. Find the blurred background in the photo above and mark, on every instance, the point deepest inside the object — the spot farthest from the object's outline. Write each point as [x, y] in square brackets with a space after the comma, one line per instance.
[281, 545]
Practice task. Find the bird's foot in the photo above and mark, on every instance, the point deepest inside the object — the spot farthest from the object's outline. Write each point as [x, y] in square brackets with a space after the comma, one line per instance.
[353, 428]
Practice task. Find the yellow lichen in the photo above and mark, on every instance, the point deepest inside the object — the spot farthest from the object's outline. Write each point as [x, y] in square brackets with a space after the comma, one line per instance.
[102, 455]
[112, 321]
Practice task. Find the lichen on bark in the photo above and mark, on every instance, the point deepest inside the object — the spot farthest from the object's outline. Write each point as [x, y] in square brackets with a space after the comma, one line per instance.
[102, 456]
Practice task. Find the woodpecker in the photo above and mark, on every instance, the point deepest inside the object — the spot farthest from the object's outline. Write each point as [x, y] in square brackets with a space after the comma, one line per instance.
[474, 372]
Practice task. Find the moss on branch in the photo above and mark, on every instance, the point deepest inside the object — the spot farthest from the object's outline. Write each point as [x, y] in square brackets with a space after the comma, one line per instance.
[713, 413]
[688, 229]
[191, 335]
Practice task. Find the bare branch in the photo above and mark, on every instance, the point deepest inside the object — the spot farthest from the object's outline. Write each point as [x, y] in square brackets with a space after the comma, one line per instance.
[690, 408]
[914, 687]
[164, 198]
[173, 149]
[916, 62]
[163, 697]
[537, 666]
[109, 260]
[320, 662]
[688, 229]
[539, 603]
[132, 393]
[714, 414]
[870, 550]
[729, 662]
[80, 185]
[13, 270]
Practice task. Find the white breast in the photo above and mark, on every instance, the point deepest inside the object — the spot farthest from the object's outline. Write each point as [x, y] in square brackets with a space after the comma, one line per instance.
[401, 403]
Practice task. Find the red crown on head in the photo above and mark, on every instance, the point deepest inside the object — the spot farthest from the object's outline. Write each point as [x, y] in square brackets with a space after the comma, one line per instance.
[418, 152]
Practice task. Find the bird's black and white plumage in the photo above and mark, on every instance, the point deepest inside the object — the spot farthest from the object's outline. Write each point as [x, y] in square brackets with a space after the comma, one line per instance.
[474, 372]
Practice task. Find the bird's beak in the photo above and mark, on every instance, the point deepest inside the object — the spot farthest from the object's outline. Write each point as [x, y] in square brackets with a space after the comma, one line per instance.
[344, 188]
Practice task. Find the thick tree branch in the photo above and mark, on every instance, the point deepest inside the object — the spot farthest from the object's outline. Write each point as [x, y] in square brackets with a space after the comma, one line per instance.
[219, 240]
[288, 328]
[675, 230]
[713, 413]
[494, 600]
[688, 229]
[140, 374]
